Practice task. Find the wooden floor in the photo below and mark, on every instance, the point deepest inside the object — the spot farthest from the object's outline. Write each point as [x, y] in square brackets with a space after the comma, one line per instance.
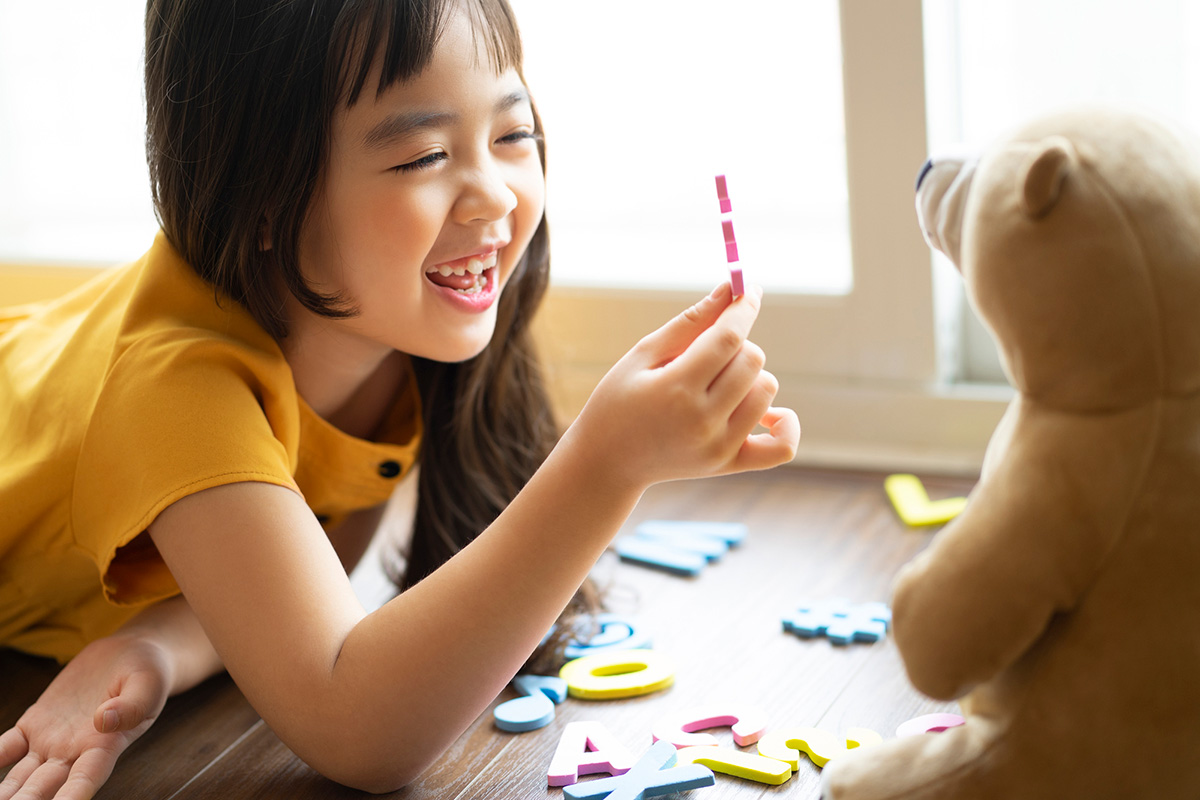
[813, 534]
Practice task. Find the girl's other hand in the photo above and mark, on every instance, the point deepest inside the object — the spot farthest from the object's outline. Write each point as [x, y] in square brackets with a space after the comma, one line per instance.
[65, 746]
[684, 402]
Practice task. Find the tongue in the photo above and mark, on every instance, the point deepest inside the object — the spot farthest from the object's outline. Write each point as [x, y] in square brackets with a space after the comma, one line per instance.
[452, 281]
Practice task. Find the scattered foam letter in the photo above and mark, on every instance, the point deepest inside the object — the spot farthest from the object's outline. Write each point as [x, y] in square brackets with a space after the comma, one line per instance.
[821, 746]
[748, 723]
[618, 673]
[534, 710]
[728, 761]
[841, 621]
[929, 723]
[913, 505]
[585, 748]
[654, 773]
[613, 632]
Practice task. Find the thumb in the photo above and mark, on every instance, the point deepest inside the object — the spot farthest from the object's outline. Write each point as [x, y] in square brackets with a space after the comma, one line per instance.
[668, 342]
[138, 701]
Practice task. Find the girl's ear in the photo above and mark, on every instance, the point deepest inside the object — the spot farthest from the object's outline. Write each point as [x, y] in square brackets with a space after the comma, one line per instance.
[1044, 173]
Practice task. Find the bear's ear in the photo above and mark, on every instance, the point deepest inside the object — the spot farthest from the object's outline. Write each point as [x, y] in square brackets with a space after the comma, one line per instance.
[1043, 175]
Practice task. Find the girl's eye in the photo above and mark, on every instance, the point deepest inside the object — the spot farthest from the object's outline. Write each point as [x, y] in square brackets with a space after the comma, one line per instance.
[425, 162]
[518, 136]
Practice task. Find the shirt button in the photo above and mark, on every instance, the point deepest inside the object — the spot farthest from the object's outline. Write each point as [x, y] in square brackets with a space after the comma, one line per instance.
[389, 469]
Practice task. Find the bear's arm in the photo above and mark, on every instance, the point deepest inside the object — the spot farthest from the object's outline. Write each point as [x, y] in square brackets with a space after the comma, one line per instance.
[1056, 496]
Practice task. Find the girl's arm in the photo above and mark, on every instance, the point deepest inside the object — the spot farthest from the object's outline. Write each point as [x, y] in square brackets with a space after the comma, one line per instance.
[371, 700]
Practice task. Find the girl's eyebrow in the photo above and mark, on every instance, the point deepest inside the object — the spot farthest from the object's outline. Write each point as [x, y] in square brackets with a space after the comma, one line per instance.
[402, 124]
[405, 123]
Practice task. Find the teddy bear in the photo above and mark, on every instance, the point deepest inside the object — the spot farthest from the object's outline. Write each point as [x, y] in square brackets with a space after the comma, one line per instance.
[1062, 607]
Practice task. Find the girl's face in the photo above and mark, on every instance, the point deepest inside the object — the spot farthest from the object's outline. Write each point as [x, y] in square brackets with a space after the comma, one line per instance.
[430, 196]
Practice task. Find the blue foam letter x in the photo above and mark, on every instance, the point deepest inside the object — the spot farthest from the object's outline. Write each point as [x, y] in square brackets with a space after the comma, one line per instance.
[654, 773]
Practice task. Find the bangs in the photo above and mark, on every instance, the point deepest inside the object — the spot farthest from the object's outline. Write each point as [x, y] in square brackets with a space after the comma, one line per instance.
[404, 33]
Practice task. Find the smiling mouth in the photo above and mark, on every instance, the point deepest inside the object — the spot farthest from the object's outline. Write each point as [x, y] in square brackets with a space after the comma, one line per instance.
[466, 275]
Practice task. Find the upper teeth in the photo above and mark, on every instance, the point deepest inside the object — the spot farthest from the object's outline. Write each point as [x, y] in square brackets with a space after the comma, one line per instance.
[475, 266]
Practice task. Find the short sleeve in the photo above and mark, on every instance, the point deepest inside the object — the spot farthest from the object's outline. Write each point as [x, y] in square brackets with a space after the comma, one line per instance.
[174, 416]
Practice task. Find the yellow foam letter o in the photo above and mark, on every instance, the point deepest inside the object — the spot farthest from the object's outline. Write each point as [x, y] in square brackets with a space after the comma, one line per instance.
[621, 673]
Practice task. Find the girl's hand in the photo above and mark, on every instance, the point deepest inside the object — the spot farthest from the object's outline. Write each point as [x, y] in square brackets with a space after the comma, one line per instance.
[64, 747]
[684, 402]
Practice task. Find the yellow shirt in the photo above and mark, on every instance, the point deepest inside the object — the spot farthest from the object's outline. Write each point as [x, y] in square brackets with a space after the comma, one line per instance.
[132, 392]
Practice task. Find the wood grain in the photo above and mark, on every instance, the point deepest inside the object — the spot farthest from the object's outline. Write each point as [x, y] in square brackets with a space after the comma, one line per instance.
[813, 534]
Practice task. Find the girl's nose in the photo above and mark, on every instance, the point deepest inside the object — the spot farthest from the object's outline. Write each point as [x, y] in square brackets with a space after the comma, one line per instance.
[487, 196]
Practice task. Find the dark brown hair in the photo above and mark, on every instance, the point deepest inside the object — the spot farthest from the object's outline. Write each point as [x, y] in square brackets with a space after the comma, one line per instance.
[240, 99]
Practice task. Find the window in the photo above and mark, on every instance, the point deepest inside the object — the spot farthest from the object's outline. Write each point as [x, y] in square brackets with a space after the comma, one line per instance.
[641, 117]
[990, 66]
[75, 187]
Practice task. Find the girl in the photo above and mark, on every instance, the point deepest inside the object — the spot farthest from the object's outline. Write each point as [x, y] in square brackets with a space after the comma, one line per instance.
[353, 243]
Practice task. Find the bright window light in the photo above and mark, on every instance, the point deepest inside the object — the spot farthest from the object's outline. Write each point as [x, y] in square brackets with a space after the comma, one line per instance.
[993, 66]
[72, 132]
[644, 103]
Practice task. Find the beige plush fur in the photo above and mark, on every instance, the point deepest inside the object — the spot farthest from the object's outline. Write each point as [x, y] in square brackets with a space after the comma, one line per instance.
[1063, 606]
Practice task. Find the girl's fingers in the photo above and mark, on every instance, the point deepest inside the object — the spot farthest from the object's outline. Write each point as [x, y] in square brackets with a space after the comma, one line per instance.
[754, 405]
[668, 342]
[17, 776]
[46, 780]
[90, 772]
[731, 386]
[715, 347]
[13, 747]
[776, 446]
